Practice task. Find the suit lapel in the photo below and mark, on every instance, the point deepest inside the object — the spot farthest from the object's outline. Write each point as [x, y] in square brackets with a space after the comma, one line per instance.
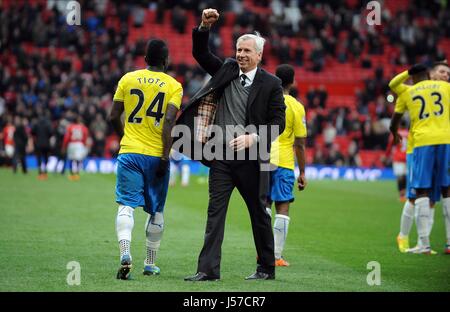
[254, 89]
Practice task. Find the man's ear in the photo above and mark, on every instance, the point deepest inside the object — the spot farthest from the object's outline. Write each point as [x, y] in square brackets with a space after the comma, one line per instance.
[146, 60]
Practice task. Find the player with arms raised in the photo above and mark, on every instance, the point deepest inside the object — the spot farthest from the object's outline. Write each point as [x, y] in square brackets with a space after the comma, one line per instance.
[427, 103]
[439, 71]
[150, 99]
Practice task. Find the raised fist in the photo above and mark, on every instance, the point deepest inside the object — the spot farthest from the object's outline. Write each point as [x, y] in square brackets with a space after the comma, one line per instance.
[209, 17]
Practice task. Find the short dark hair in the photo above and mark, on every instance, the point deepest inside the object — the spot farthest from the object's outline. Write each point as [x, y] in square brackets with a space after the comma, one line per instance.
[157, 52]
[286, 73]
[436, 64]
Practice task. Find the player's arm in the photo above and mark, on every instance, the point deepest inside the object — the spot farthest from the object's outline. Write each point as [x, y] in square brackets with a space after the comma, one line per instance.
[300, 134]
[397, 84]
[200, 37]
[299, 147]
[115, 117]
[399, 110]
[169, 122]
[395, 123]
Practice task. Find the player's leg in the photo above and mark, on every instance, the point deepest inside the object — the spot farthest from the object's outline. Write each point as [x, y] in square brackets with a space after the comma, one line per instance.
[62, 158]
[71, 156]
[422, 181]
[280, 231]
[282, 194]
[79, 156]
[23, 161]
[154, 229]
[129, 189]
[400, 170]
[446, 211]
[15, 161]
[124, 229]
[39, 161]
[155, 199]
[406, 221]
[46, 152]
[173, 173]
[444, 180]
[407, 217]
[402, 187]
[79, 167]
[185, 174]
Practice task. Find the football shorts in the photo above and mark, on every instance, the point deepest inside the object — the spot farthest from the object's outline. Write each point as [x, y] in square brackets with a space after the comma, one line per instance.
[76, 151]
[282, 182]
[430, 166]
[137, 184]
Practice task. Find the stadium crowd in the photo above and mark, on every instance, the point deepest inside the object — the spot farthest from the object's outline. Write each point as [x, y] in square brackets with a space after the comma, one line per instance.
[53, 69]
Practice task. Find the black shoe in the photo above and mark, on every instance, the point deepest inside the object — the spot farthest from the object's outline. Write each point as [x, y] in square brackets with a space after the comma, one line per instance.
[261, 276]
[125, 268]
[200, 277]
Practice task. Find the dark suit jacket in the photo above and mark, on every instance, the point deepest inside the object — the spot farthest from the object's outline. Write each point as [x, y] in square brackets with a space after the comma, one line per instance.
[265, 104]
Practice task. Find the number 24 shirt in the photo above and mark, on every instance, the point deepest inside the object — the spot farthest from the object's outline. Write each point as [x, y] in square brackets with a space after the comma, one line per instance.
[145, 95]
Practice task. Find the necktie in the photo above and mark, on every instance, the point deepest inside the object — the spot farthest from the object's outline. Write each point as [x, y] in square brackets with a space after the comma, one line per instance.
[243, 78]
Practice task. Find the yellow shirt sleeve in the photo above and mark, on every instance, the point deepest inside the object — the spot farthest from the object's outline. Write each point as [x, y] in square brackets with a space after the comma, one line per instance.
[299, 121]
[400, 105]
[119, 95]
[176, 96]
[397, 83]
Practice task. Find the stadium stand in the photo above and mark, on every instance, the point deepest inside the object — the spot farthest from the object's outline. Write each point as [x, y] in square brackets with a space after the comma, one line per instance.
[342, 64]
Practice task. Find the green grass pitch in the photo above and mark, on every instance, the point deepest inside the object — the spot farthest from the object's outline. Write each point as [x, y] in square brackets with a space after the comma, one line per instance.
[336, 228]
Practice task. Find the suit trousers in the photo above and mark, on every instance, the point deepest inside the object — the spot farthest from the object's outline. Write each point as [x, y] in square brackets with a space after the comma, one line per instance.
[224, 176]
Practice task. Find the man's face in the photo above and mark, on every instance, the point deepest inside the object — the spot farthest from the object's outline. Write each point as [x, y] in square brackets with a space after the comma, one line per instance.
[247, 56]
[440, 72]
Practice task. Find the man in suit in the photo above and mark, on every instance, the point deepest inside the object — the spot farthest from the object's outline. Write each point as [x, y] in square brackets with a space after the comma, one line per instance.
[239, 94]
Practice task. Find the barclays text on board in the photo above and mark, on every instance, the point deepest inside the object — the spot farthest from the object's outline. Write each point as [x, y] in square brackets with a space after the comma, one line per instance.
[108, 166]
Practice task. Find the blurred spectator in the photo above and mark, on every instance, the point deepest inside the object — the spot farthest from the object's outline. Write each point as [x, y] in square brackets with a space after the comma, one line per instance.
[319, 158]
[322, 94]
[193, 83]
[329, 134]
[42, 132]
[353, 159]
[299, 54]
[20, 144]
[317, 56]
[138, 14]
[284, 51]
[47, 65]
[98, 128]
[334, 157]
[293, 15]
[179, 19]
[341, 121]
